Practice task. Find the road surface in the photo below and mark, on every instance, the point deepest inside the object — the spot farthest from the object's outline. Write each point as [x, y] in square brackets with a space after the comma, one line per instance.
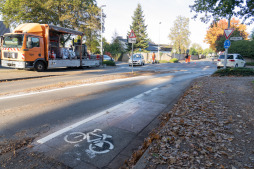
[98, 124]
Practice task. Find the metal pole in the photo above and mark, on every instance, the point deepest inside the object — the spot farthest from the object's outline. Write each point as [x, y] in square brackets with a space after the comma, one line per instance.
[226, 51]
[101, 30]
[159, 42]
[80, 52]
[132, 57]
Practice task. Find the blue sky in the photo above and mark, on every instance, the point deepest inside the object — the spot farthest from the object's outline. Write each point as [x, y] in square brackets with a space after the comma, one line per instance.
[119, 13]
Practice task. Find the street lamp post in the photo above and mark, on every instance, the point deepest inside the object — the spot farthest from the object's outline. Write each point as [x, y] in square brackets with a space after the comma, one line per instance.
[101, 30]
[159, 42]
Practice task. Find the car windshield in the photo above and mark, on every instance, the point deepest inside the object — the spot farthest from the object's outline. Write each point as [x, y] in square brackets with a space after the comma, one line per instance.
[13, 41]
[136, 56]
[223, 57]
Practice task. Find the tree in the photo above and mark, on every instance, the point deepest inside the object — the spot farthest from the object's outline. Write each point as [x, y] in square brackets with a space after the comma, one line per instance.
[80, 15]
[139, 28]
[196, 49]
[216, 32]
[179, 34]
[115, 48]
[219, 9]
[208, 51]
[252, 35]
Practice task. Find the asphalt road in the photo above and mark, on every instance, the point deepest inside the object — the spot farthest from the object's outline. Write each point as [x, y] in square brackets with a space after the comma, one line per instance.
[94, 125]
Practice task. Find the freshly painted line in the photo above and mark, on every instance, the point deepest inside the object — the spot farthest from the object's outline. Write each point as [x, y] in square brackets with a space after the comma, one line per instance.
[70, 87]
[66, 129]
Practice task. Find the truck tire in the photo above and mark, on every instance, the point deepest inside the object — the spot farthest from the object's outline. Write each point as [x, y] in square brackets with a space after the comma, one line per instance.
[40, 66]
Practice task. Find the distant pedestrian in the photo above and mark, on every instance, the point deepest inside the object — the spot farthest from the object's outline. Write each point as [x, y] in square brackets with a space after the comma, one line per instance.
[153, 57]
[186, 58]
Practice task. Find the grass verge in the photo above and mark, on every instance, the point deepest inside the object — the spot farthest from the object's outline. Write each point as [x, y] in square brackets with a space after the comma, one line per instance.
[164, 61]
[234, 72]
[174, 60]
[249, 63]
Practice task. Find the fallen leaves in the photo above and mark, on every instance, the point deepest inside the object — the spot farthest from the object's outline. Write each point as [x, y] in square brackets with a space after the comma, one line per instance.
[207, 128]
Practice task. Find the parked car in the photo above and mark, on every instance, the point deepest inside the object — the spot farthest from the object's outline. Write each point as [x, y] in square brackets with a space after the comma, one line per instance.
[107, 58]
[138, 59]
[233, 60]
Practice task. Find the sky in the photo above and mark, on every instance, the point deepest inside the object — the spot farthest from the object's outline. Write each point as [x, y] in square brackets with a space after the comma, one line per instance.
[119, 15]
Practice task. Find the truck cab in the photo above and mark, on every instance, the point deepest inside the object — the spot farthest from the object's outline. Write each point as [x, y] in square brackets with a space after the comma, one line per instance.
[24, 48]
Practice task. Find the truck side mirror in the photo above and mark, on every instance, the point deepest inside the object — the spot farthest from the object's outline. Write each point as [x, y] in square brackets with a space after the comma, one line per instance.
[29, 43]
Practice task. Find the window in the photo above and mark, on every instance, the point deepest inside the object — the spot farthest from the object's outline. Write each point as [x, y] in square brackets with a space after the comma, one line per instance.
[13, 41]
[32, 42]
[241, 57]
[230, 57]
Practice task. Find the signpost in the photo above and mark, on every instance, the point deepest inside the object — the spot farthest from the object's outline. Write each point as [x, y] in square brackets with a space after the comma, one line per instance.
[236, 38]
[227, 44]
[132, 39]
[227, 33]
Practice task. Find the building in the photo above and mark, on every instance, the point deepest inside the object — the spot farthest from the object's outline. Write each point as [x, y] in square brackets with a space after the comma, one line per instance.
[3, 29]
[152, 47]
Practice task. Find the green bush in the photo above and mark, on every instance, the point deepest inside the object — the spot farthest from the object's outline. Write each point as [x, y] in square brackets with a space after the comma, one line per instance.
[234, 72]
[174, 60]
[109, 63]
[164, 61]
[243, 47]
[250, 63]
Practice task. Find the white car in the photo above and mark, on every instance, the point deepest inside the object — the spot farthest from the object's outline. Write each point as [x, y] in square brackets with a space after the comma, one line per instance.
[138, 59]
[233, 60]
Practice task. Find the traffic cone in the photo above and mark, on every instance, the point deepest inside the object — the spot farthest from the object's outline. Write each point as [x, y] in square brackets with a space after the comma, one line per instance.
[53, 55]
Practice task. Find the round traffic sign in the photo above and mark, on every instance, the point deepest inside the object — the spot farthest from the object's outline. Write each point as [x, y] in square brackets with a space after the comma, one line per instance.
[227, 44]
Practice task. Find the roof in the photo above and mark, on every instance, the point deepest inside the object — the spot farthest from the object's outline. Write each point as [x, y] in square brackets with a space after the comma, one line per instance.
[65, 30]
[37, 28]
[3, 28]
[28, 28]
[152, 47]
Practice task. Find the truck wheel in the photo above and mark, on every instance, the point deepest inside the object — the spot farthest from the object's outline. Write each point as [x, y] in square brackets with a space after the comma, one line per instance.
[40, 66]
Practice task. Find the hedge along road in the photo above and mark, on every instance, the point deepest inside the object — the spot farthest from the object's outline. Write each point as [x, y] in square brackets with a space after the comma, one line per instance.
[97, 125]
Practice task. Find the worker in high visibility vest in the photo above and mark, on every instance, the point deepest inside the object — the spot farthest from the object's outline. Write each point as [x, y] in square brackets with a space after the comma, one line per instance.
[189, 57]
[153, 57]
[186, 58]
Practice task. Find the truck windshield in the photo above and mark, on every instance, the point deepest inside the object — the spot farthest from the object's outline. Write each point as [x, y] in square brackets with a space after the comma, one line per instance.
[13, 41]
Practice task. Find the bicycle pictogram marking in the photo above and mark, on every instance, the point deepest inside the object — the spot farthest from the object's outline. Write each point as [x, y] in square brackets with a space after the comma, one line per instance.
[99, 144]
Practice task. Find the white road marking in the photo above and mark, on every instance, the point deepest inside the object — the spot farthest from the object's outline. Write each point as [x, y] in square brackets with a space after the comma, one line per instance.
[70, 87]
[66, 129]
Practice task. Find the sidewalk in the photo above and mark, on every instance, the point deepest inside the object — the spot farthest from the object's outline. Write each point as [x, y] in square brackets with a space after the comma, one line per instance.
[211, 126]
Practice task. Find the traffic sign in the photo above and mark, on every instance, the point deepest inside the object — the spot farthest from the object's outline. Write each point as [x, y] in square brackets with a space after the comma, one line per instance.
[228, 32]
[132, 37]
[132, 40]
[132, 34]
[227, 44]
[236, 38]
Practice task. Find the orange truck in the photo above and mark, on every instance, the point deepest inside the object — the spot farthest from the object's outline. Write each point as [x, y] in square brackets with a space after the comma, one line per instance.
[38, 46]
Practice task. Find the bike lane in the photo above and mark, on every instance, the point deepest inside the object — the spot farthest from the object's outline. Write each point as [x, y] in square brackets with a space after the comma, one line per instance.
[109, 138]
